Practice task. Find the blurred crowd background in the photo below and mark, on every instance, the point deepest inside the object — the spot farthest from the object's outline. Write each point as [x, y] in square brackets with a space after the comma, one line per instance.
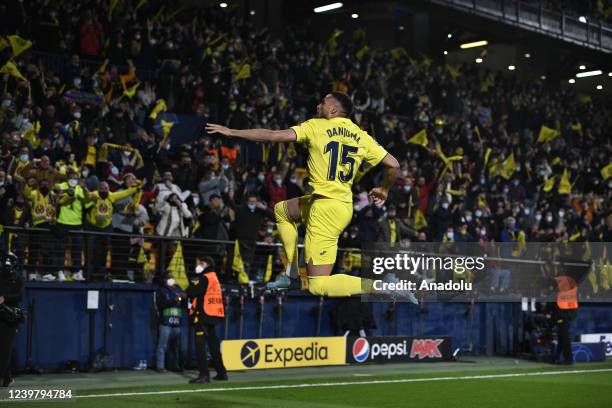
[90, 91]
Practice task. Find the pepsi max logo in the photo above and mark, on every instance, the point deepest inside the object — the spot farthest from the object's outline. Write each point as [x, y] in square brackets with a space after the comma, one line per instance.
[361, 350]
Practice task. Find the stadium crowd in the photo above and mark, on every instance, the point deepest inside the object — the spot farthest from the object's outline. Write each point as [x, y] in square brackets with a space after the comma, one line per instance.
[85, 144]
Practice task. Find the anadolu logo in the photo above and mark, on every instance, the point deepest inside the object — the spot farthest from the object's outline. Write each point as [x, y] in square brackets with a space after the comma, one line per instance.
[249, 354]
[361, 350]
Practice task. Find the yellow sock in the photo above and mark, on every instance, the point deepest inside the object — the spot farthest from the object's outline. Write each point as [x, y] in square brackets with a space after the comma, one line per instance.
[339, 285]
[287, 230]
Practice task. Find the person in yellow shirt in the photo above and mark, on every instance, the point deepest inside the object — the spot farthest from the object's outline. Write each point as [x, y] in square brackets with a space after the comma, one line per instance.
[336, 148]
[99, 219]
[42, 202]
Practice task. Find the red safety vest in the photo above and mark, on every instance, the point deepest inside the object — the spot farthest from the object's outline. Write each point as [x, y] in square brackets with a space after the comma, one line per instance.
[212, 301]
[567, 297]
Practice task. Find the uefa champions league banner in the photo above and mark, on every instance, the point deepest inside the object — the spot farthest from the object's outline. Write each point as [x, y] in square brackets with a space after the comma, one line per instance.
[398, 349]
[452, 271]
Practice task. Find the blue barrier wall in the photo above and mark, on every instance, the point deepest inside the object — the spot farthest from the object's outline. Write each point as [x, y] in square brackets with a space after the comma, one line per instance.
[125, 325]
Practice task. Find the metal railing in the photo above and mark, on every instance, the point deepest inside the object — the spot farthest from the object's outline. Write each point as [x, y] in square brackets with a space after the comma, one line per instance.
[595, 35]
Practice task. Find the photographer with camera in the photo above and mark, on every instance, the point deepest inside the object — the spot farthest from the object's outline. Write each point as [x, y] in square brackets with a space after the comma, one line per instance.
[11, 292]
[170, 301]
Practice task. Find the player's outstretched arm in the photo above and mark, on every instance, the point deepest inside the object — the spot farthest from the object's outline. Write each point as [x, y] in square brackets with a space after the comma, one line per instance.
[256, 135]
[392, 168]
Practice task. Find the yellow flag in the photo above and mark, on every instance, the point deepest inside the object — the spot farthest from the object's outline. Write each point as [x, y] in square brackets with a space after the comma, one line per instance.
[549, 184]
[238, 265]
[244, 72]
[420, 139]
[131, 91]
[30, 135]
[447, 160]
[363, 51]
[508, 167]
[420, 222]
[606, 172]
[487, 155]
[556, 160]
[11, 69]
[166, 127]
[18, 44]
[268, 273]
[159, 107]
[565, 187]
[177, 267]
[337, 33]
[454, 72]
[397, 53]
[477, 131]
[547, 134]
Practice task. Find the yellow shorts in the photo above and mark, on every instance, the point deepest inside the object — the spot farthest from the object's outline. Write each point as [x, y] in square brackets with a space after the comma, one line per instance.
[325, 219]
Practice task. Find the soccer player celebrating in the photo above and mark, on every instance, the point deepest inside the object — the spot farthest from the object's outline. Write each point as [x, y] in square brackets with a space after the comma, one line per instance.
[336, 147]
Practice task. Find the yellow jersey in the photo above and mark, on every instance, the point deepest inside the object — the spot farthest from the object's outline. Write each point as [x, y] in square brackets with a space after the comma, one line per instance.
[336, 148]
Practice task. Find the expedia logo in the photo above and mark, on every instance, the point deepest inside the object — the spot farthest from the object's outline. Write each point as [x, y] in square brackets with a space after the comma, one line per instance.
[280, 353]
[361, 350]
[249, 355]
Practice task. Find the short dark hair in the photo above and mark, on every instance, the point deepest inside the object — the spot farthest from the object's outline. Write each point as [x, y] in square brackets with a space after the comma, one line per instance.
[345, 102]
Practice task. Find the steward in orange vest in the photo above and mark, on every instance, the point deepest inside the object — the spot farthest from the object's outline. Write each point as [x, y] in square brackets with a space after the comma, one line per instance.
[563, 312]
[205, 312]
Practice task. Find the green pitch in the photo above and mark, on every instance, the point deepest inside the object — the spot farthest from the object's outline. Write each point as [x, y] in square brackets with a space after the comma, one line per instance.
[480, 382]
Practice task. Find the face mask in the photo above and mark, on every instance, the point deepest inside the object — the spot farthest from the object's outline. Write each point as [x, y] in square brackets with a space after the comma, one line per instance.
[468, 218]
[404, 173]
[269, 231]
[450, 235]
[1, 183]
[482, 181]
[199, 269]
[538, 217]
[85, 173]
[170, 282]
[549, 219]
[506, 190]
[73, 182]
[24, 158]
[196, 200]
[478, 213]
[278, 181]
[561, 214]
[127, 154]
[225, 166]
[252, 206]
[77, 115]
[6, 103]
[483, 232]
[293, 180]
[261, 177]
[103, 194]
[407, 188]
[517, 210]
[526, 211]
[115, 170]
[445, 205]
